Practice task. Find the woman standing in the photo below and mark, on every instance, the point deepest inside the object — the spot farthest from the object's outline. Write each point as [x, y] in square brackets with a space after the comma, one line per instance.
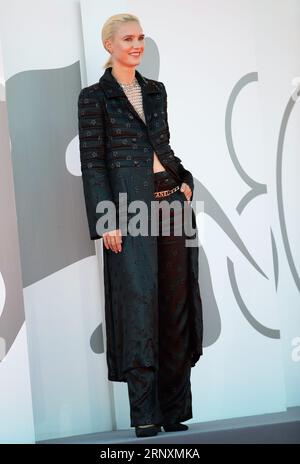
[153, 308]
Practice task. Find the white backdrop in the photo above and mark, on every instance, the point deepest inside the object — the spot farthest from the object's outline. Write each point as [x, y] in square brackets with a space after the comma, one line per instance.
[228, 68]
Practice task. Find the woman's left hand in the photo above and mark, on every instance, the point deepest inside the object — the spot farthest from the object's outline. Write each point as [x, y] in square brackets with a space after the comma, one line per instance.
[185, 188]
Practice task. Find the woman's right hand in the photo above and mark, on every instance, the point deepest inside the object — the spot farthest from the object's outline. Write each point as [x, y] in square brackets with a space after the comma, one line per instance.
[113, 240]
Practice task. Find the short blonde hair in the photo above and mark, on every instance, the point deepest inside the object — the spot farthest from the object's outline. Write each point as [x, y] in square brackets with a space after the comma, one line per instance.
[111, 26]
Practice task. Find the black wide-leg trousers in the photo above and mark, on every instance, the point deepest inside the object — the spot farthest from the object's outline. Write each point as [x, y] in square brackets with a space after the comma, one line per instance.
[164, 397]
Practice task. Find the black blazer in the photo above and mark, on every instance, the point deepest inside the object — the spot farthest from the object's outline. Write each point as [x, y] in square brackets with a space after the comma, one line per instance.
[116, 152]
[112, 136]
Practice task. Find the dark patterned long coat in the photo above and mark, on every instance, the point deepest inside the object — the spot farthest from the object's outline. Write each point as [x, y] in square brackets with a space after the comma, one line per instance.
[116, 153]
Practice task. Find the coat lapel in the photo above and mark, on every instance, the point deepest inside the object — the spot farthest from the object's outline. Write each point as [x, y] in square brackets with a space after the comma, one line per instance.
[113, 89]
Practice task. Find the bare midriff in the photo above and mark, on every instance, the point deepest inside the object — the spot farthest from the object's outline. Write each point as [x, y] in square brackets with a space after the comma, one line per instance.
[157, 166]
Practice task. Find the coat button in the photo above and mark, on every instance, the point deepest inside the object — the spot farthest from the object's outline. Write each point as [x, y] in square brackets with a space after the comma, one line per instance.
[162, 136]
[90, 165]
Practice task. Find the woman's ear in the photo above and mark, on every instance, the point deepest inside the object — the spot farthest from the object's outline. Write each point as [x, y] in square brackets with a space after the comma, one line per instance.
[107, 45]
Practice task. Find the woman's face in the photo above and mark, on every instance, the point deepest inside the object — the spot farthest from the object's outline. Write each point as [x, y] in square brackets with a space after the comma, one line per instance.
[127, 45]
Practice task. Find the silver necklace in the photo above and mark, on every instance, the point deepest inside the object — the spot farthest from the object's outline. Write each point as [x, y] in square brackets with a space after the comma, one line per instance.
[129, 86]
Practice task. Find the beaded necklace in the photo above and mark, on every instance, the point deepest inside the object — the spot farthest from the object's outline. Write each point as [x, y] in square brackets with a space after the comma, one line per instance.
[134, 95]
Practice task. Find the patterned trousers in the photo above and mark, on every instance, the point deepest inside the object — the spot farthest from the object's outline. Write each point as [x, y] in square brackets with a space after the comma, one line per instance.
[165, 396]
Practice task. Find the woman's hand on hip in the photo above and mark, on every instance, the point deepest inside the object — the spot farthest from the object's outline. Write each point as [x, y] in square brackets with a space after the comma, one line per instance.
[185, 188]
[113, 240]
